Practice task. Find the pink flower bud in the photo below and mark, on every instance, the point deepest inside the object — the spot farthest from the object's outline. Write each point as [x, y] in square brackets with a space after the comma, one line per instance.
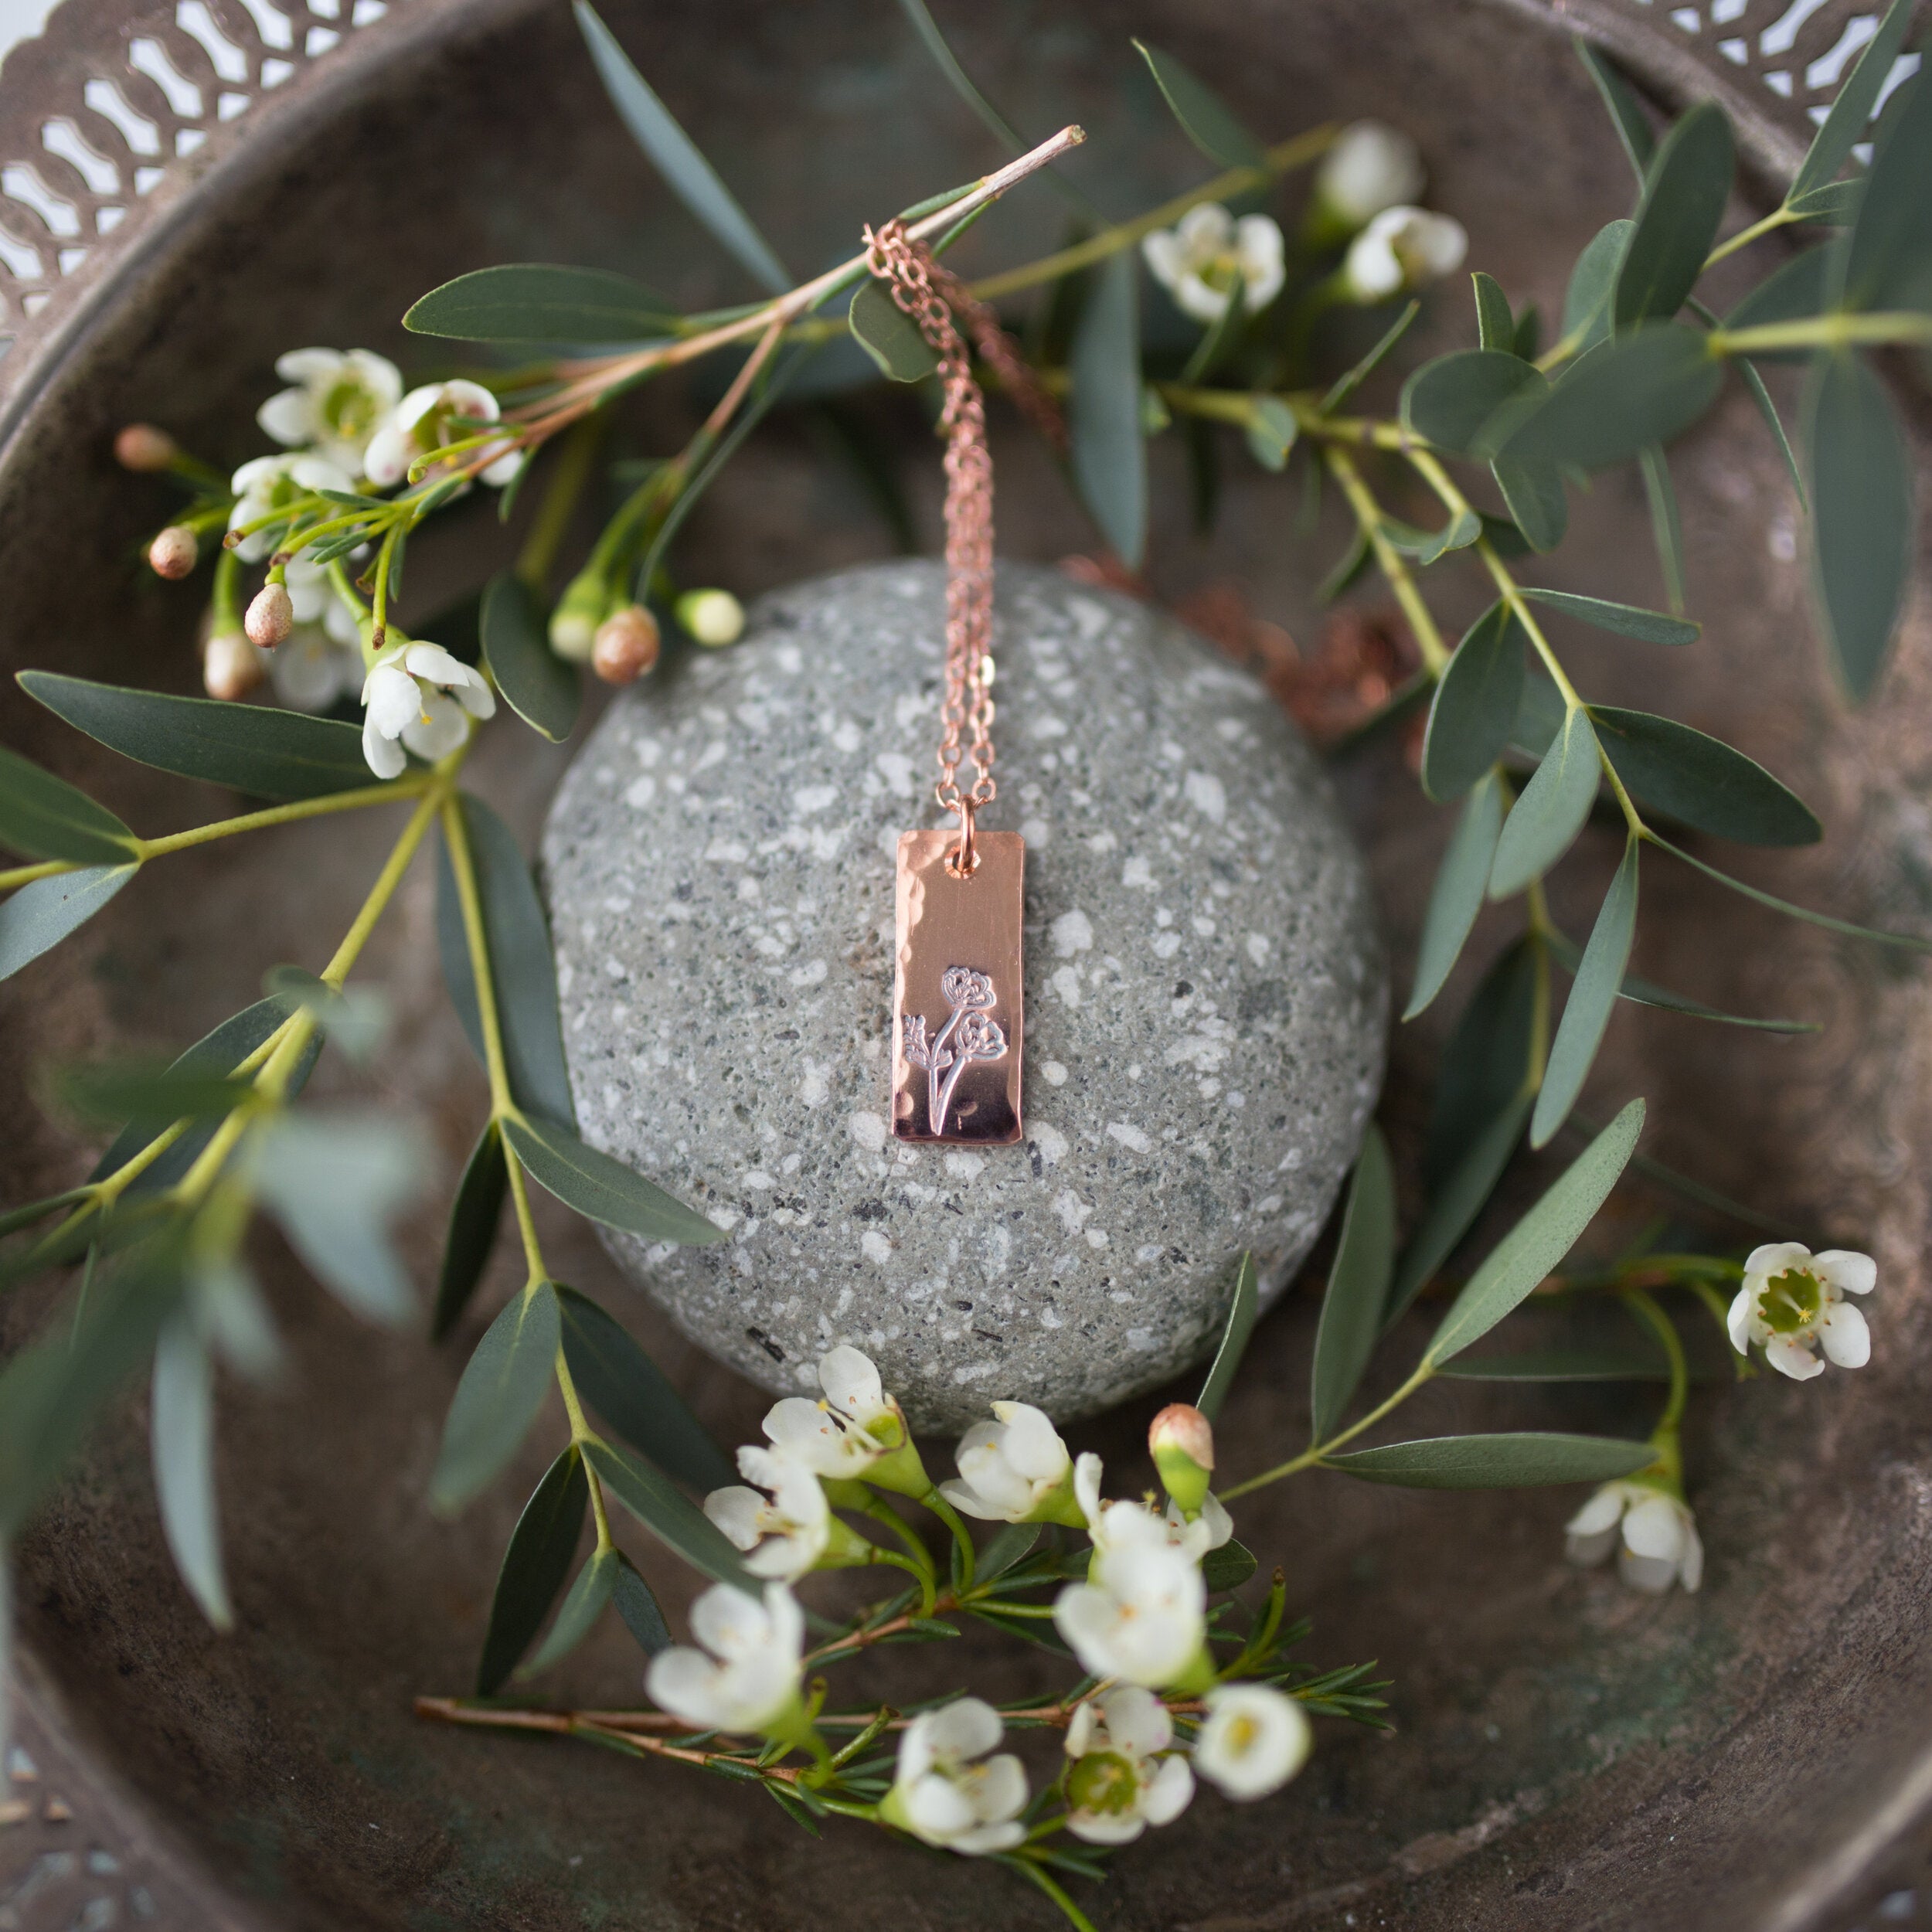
[626, 646]
[1182, 1426]
[174, 552]
[229, 667]
[271, 617]
[143, 448]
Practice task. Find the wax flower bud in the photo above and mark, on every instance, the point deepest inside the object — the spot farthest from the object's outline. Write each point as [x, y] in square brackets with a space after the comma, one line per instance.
[1403, 248]
[1182, 1441]
[271, 616]
[144, 449]
[626, 645]
[711, 617]
[174, 552]
[231, 667]
[573, 623]
[1372, 166]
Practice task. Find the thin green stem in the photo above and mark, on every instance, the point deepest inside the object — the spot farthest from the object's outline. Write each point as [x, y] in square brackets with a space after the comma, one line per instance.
[1643, 1305]
[962, 1536]
[1745, 236]
[560, 498]
[1842, 329]
[1075, 1916]
[1388, 560]
[1310, 1457]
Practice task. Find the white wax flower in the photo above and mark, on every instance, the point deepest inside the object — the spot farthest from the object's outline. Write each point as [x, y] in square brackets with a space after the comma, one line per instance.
[1793, 1299]
[1371, 166]
[1141, 1614]
[1199, 259]
[1253, 1740]
[1209, 1528]
[310, 668]
[948, 1792]
[1119, 1783]
[428, 419]
[1013, 1469]
[1403, 248]
[271, 483]
[794, 1519]
[1658, 1544]
[856, 1431]
[417, 696]
[749, 1680]
[339, 401]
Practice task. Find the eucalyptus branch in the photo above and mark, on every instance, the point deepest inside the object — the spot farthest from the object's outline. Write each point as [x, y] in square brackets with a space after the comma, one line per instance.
[1388, 560]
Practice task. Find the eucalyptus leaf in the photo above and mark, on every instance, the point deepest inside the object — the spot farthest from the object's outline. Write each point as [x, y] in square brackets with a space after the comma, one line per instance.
[14, 1220]
[1528, 336]
[1358, 1287]
[1475, 703]
[1109, 455]
[671, 152]
[676, 1521]
[1540, 1240]
[1626, 112]
[43, 816]
[614, 1375]
[1599, 975]
[1626, 619]
[1666, 529]
[602, 1189]
[258, 749]
[1761, 395]
[1228, 1567]
[1685, 187]
[1452, 401]
[181, 1435]
[502, 1387]
[1425, 547]
[1539, 715]
[1485, 1064]
[1451, 1209]
[1242, 1311]
[1533, 492]
[1910, 942]
[1220, 338]
[539, 302]
[1348, 568]
[1544, 822]
[474, 1215]
[1593, 284]
[1797, 289]
[1643, 992]
[1862, 517]
[1889, 263]
[638, 1608]
[1702, 781]
[1837, 203]
[1495, 327]
[108, 1093]
[355, 1019]
[1857, 94]
[1626, 1364]
[1521, 1459]
[536, 684]
[44, 911]
[1206, 118]
[1271, 431]
[535, 1564]
[335, 1184]
[1346, 384]
[888, 334]
[1622, 396]
[590, 1596]
[1457, 895]
[522, 966]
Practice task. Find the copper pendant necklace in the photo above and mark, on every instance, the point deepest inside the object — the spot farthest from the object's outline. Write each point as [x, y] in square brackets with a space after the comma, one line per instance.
[957, 1017]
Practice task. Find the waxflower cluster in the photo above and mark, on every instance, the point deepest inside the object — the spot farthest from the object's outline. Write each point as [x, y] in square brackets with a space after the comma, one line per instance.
[1136, 1619]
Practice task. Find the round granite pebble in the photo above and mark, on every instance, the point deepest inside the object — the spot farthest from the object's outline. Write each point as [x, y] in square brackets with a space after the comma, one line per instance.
[1205, 994]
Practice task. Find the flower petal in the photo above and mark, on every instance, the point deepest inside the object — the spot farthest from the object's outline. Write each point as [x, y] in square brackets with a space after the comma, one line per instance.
[1774, 1257]
[738, 1512]
[851, 1383]
[1601, 1513]
[1170, 1793]
[1848, 1271]
[1738, 1321]
[1655, 1527]
[967, 1728]
[384, 755]
[289, 417]
[1690, 1565]
[1844, 1336]
[1136, 1721]
[1790, 1357]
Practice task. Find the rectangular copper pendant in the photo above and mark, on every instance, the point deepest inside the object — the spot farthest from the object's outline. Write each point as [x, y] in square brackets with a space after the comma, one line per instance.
[958, 1019]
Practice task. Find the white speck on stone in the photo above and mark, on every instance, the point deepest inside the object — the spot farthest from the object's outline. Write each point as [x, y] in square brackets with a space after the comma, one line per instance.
[1052, 1143]
[1072, 1210]
[1137, 875]
[1166, 945]
[1129, 1135]
[1207, 795]
[845, 737]
[1046, 725]
[1066, 983]
[726, 851]
[1072, 933]
[1097, 1237]
[1142, 1341]
[874, 1247]
[639, 791]
[1036, 831]
[1259, 947]
[964, 1167]
[1048, 1319]
[813, 1088]
[714, 754]
[757, 1180]
[868, 1130]
[1052, 1073]
[808, 799]
[1204, 926]
[896, 769]
[812, 974]
[1151, 1253]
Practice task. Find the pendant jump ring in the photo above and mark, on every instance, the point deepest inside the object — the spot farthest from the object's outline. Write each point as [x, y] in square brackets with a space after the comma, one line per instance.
[964, 861]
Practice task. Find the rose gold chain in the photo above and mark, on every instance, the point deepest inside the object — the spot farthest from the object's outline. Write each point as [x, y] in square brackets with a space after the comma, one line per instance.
[932, 298]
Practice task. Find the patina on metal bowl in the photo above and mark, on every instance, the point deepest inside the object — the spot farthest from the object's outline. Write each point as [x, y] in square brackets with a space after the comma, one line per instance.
[1568, 1755]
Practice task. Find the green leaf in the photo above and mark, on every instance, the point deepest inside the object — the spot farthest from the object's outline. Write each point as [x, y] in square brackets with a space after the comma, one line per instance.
[1425, 547]
[1218, 338]
[535, 1564]
[1540, 715]
[597, 1583]
[501, 1389]
[44, 911]
[1593, 993]
[1495, 327]
[522, 963]
[602, 1189]
[1627, 1364]
[182, 1432]
[1518, 1460]
[1452, 1208]
[1475, 703]
[671, 152]
[537, 302]
[1889, 263]
[1857, 94]
[1593, 283]
[1452, 401]
[1533, 494]
[677, 1522]
[615, 1376]
[1862, 519]
[14, 1220]
[1206, 118]
[1485, 1065]
[1836, 204]
[1684, 190]
[474, 1215]
[1357, 1286]
[1006, 1546]
[1626, 112]
[355, 1018]
[1242, 1312]
[1640, 388]
[1795, 290]
[1702, 781]
[258, 749]
[888, 334]
[1545, 820]
[1345, 385]
[151, 1096]
[335, 1185]
[639, 1610]
[1348, 569]
[1457, 895]
[1666, 531]
[1227, 1568]
[1109, 456]
[1540, 1240]
[1643, 992]
[1752, 381]
[43, 816]
[536, 684]
[1271, 431]
[934, 42]
[1626, 619]
[1528, 337]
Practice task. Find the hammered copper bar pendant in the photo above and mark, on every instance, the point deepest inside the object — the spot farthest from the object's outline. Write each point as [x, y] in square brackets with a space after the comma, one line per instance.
[957, 1021]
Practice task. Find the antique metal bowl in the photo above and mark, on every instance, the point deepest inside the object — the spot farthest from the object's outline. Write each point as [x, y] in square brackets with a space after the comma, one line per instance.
[1758, 1756]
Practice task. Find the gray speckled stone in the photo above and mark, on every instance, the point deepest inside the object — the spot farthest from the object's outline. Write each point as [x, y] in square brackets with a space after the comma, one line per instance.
[1205, 994]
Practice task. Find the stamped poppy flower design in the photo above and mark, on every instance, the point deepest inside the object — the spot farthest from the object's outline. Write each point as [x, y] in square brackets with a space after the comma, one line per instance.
[968, 1036]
